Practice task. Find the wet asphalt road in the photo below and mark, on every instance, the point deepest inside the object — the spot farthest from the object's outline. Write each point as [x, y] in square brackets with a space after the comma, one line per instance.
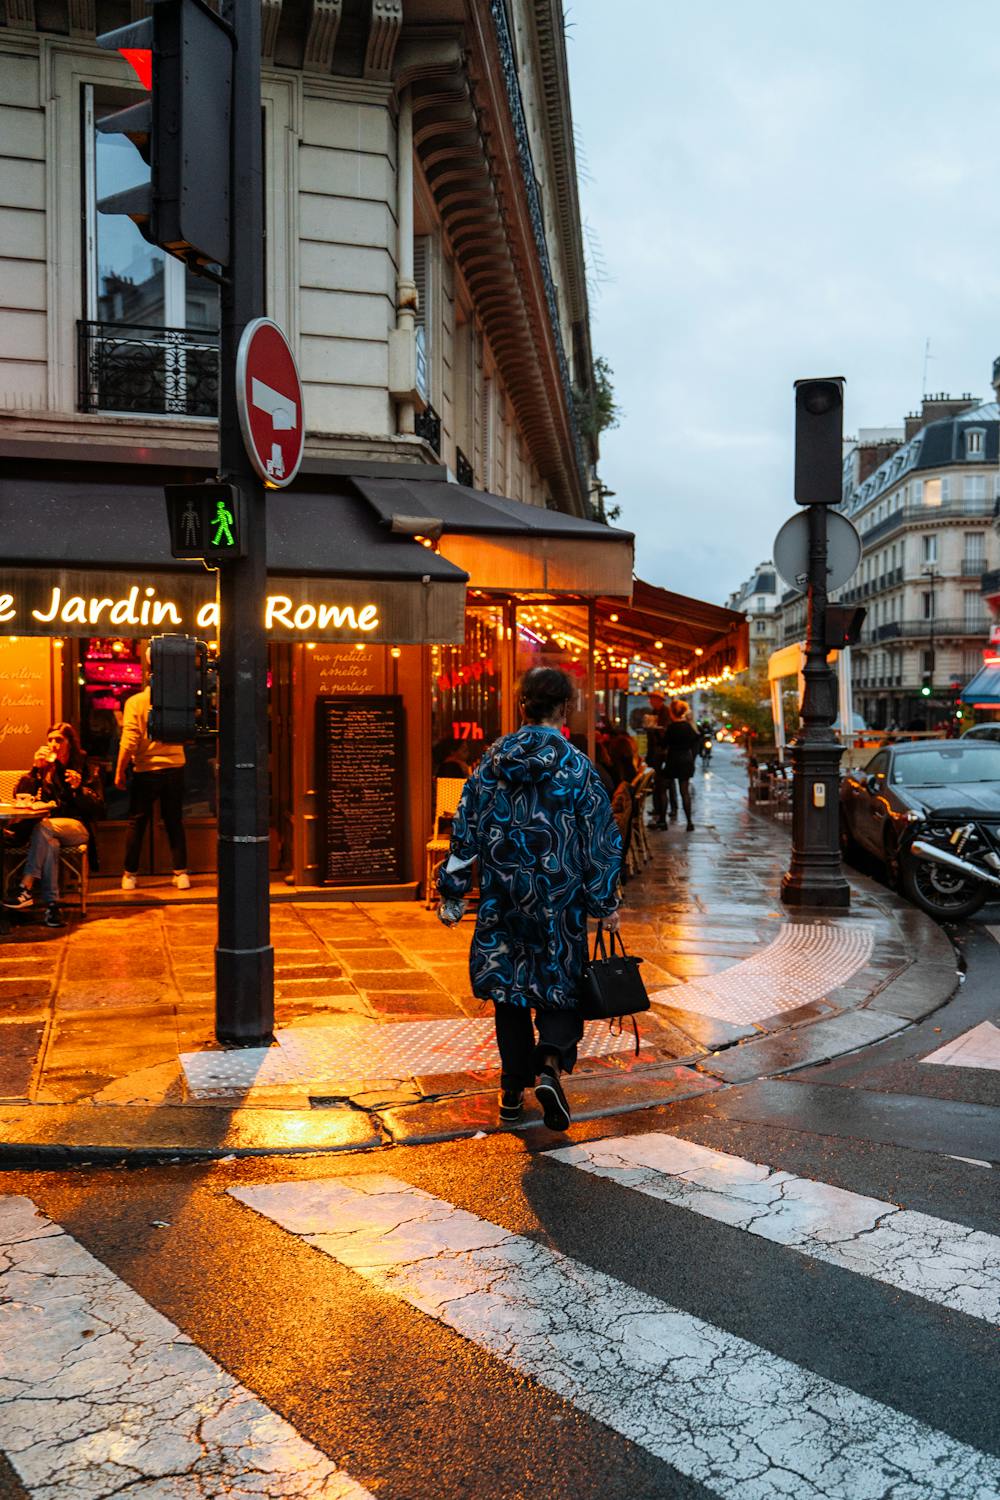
[411, 1409]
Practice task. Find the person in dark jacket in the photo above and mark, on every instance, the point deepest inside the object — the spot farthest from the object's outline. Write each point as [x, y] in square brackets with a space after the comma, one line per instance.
[63, 777]
[537, 819]
[657, 721]
[681, 743]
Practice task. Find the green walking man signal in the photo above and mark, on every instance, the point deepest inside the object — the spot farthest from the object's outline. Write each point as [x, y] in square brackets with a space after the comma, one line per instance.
[222, 521]
[206, 520]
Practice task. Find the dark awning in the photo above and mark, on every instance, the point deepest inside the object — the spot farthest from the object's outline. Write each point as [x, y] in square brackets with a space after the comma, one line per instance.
[504, 544]
[984, 689]
[690, 636]
[96, 538]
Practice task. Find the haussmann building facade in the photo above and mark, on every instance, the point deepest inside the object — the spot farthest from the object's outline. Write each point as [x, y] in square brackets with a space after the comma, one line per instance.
[424, 257]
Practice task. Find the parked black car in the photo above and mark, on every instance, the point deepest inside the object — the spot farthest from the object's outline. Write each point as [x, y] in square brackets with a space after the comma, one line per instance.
[930, 810]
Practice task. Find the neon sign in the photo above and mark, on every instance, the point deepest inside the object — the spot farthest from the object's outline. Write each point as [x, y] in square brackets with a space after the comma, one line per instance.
[140, 608]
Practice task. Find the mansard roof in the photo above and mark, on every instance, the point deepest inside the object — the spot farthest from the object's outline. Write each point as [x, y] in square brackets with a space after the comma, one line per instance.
[936, 446]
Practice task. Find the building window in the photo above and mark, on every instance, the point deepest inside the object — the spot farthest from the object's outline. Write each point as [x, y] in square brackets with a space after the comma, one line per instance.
[930, 552]
[974, 442]
[974, 488]
[975, 551]
[424, 324]
[972, 660]
[932, 491]
[149, 341]
[975, 609]
[927, 661]
[928, 604]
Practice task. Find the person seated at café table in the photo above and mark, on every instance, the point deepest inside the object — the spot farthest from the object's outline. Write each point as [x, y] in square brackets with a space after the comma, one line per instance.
[62, 778]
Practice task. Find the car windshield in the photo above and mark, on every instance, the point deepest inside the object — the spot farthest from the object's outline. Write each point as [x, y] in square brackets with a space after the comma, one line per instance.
[945, 764]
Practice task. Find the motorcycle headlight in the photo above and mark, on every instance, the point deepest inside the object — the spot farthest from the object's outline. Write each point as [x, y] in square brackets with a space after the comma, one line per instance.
[914, 817]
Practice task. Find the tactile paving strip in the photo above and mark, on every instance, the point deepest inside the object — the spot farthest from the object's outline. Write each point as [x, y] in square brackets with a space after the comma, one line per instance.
[804, 963]
[324, 1057]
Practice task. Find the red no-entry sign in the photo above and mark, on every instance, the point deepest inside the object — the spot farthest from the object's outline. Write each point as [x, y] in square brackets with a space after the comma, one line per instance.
[269, 399]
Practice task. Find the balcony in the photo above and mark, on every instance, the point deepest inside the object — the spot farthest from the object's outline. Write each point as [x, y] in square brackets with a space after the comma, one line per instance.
[427, 425]
[973, 567]
[463, 470]
[930, 515]
[139, 368]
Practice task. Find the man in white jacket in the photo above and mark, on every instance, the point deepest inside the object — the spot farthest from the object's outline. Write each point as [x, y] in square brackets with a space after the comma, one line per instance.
[157, 775]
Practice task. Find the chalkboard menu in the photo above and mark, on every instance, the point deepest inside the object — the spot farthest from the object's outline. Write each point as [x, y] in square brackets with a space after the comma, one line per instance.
[359, 789]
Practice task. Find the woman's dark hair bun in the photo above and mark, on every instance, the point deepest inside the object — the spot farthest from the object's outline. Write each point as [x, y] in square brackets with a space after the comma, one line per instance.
[542, 690]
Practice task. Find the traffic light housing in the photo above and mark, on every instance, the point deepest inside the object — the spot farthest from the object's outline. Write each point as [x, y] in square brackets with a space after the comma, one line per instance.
[206, 521]
[183, 54]
[843, 626]
[182, 689]
[819, 441]
[926, 687]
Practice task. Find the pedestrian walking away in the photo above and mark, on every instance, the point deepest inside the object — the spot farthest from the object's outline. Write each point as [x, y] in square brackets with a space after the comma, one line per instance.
[537, 820]
[656, 728]
[681, 743]
[157, 776]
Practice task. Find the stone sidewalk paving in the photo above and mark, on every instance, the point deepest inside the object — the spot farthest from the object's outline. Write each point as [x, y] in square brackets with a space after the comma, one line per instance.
[106, 1030]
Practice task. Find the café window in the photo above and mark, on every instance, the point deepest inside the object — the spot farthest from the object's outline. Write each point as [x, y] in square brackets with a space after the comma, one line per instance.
[466, 692]
[149, 340]
[556, 635]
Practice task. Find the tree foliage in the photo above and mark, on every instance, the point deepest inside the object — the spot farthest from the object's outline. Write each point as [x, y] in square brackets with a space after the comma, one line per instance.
[747, 701]
[597, 410]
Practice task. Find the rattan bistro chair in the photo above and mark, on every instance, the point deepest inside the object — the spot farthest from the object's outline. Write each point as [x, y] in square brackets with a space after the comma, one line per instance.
[447, 795]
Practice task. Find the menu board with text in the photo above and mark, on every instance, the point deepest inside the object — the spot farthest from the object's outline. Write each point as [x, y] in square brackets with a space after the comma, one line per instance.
[359, 789]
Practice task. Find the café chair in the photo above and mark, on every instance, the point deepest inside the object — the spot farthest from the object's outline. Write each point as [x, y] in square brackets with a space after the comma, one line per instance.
[639, 850]
[447, 795]
[74, 859]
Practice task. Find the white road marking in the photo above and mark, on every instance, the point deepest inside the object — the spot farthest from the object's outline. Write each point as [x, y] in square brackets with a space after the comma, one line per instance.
[734, 1417]
[933, 1258]
[100, 1394]
[804, 962]
[978, 1048]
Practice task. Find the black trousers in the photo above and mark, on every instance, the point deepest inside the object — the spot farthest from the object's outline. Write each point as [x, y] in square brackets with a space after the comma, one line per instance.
[685, 785]
[148, 787]
[521, 1057]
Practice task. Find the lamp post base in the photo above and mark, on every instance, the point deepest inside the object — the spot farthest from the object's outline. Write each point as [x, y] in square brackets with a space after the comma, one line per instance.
[815, 876]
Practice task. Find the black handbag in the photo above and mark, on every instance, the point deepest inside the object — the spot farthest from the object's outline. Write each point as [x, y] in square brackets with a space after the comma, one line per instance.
[612, 986]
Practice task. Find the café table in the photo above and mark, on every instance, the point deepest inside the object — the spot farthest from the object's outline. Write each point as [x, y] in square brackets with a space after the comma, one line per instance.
[15, 812]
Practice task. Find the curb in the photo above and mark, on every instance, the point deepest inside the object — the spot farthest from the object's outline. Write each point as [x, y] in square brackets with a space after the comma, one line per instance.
[53, 1137]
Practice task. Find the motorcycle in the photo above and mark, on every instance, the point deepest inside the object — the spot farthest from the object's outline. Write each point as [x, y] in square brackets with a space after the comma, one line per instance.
[950, 866]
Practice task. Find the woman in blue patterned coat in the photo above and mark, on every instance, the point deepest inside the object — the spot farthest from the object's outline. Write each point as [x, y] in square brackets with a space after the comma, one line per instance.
[536, 817]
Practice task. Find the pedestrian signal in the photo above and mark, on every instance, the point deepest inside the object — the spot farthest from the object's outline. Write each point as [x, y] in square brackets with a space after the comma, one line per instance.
[206, 520]
[843, 626]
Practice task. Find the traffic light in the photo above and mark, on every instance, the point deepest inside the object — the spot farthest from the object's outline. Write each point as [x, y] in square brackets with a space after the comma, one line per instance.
[819, 441]
[182, 689]
[206, 520]
[843, 626]
[926, 687]
[182, 54]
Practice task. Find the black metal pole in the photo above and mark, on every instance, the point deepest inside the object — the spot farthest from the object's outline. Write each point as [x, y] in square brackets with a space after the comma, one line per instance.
[815, 876]
[244, 958]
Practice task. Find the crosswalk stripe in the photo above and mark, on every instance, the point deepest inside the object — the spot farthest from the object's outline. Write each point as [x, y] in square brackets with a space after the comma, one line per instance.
[933, 1258]
[99, 1393]
[735, 1417]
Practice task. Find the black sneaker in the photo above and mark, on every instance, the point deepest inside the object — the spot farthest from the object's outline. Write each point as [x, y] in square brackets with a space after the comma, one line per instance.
[54, 917]
[511, 1104]
[23, 901]
[549, 1093]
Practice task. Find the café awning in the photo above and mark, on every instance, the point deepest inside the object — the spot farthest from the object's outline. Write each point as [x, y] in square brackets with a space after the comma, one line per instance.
[678, 634]
[984, 689]
[95, 536]
[503, 544]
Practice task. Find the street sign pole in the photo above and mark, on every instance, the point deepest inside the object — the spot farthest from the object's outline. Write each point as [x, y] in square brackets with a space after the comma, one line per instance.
[244, 957]
[815, 876]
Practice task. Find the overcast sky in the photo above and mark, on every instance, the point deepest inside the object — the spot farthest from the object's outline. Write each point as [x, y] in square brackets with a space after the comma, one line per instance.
[777, 189]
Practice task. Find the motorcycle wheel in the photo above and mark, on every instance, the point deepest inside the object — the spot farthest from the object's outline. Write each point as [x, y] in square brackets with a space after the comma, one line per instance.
[940, 892]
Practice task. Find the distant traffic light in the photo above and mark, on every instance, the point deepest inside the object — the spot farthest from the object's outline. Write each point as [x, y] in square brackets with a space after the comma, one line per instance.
[843, 626]
[926, 688]
[182, 689]
[183, 54]
[819, 441]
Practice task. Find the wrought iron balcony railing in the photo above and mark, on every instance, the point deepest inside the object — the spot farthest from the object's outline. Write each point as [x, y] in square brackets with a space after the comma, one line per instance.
[464, 472]
[427, 425]
[141, 368]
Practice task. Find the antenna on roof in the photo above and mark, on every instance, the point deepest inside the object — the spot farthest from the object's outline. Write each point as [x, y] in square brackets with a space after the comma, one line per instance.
[928, 356]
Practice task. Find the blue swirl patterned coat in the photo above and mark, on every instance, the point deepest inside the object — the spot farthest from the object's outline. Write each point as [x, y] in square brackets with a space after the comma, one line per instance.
[538, 820]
